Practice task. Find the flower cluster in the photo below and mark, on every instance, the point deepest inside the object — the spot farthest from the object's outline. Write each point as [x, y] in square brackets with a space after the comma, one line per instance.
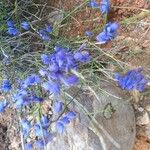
[13, 31]
[38, 130]
[44, 33]
[58, 68]
[104, 6]
[132, 80]
[110, 30]
[32, 91]
[24, 95]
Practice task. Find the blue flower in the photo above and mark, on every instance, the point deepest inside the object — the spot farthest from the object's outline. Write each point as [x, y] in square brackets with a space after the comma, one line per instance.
[43, 72]
[88, 33]
[62, 122]
[132, 80]
[70, 80]
[65, 120]
[19, 98]
[10, 23]
[92, 4]
[52, 87]
[82, 47]
[82, 56]
[109, 32]
[49, 28]
[25, 124]
[61, 57]
[37, 99]
[28, 146]
[44, 35]
[39, 144]
[19, 103]
[71, 115]
[3, 105]
[44, 122]
[53, 67]
[25, 127]
[60, 127]
[53, 57]
[40, 132]
[31, 80]
[6, 86]
[58, 106]
[50, 137]
[45, 59]
[25, 25]
[105, 6]
[12, 31]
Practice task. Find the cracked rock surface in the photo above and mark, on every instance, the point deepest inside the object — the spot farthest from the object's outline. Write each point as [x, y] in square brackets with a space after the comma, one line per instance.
[92, 130]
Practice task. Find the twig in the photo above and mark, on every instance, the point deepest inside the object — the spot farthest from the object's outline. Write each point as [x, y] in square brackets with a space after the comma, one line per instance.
[67, 106]
[107, 54]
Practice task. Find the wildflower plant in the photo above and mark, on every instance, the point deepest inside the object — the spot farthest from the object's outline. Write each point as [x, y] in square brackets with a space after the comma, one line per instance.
[33, 85]
[46, 85]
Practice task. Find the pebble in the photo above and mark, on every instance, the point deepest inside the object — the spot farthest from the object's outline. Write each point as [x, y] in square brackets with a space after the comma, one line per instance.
[143, 119]
[148, 108]
[140, 109]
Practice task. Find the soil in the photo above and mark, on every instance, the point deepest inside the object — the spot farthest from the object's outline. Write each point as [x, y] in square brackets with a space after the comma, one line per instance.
[142, 143]
[3, 139]
[89, 19]
[9, 131]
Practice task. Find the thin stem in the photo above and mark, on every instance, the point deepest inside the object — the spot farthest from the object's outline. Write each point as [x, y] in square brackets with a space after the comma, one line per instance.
[97, 126]
[21, 135]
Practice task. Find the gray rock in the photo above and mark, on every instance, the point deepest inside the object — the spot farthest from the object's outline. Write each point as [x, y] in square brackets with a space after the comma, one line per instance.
[143, 119]
[95, 128]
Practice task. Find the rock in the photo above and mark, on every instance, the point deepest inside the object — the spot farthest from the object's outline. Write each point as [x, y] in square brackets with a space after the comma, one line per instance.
[147, 131]
[143, 119]
[147, 107]
[140, 109]
[92, 130]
